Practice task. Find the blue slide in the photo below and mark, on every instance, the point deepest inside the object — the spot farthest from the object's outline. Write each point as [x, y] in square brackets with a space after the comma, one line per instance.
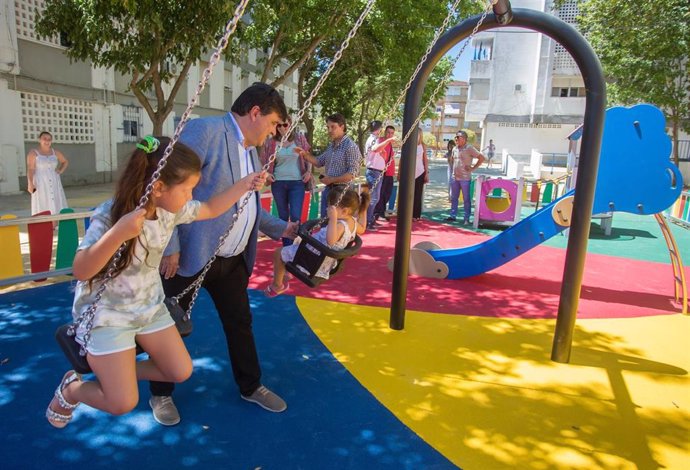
[635, 175]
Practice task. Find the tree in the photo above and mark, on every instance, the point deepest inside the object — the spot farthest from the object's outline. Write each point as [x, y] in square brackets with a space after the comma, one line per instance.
[140, 39]
[381, 58]
[645, 52]
[290, 32]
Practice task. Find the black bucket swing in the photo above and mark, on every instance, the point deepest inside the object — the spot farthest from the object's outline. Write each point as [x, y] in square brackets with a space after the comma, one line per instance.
[311, 254]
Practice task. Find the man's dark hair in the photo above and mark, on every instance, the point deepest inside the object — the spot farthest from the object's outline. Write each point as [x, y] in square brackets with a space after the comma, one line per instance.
[390, 127]
[262, 95]
[338, 119]
[461, 133]
[375, 125]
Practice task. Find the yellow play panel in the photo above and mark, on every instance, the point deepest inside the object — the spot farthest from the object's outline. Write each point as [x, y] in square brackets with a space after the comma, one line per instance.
[484, 392]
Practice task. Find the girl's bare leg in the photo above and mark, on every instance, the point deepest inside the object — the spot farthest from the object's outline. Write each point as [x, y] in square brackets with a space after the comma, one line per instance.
[278, 270]
[169, 360]
[115, 390]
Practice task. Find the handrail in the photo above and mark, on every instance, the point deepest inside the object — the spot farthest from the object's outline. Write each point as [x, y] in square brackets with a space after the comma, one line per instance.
[44, 218]
[680, 288]
[34, 220]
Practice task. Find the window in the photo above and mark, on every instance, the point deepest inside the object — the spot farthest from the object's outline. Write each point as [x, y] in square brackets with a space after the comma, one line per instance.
[131, 123]
[568, 92]
[70, 121]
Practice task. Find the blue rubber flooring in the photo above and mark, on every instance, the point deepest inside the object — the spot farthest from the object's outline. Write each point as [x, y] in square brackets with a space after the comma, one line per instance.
[331, 422]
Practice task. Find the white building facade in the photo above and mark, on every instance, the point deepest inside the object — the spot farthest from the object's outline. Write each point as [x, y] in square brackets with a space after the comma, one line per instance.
[525, 90]
[92, 116]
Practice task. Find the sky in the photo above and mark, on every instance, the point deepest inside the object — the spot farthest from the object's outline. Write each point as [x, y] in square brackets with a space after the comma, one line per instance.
[462, 66]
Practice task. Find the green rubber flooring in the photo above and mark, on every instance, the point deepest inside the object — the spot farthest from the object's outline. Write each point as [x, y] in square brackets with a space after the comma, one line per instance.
[632, 236]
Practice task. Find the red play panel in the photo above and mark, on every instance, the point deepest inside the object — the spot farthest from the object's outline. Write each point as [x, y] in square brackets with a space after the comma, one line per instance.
[527, 287]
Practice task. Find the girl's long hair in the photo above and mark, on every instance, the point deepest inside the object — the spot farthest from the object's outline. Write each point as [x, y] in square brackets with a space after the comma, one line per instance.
[351, 200]
[180, 165]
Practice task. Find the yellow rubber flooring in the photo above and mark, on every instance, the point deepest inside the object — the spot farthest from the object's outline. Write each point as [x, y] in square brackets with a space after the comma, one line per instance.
[484, 392]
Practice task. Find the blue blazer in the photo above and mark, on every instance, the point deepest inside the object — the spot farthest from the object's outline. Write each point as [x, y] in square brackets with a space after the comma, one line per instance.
[215, 140]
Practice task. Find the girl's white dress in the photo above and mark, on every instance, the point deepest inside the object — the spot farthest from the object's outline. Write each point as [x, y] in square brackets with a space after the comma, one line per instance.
[49, 195]
[287, 254]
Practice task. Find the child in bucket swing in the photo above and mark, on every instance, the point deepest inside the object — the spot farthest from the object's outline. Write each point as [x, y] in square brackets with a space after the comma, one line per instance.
[131, 308]
[346, 219]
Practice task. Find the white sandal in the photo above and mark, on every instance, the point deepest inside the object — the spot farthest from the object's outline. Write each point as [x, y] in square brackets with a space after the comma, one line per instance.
[60, 420]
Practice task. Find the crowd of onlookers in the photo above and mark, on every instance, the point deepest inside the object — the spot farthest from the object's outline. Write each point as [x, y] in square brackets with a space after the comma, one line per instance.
[291, 171]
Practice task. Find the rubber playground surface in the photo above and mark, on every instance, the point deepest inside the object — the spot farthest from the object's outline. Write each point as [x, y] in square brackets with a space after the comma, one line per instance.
[467, 384]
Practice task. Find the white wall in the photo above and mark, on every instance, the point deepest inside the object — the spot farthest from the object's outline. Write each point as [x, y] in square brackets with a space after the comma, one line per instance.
[9, 53]
[565, 106]
[514, 64]
[521, 140]
[12, 152]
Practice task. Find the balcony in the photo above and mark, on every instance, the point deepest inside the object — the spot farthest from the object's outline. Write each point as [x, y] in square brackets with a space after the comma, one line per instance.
[480, 69]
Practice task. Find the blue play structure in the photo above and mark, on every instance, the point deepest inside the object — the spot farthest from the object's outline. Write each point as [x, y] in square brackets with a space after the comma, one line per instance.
[635, 176]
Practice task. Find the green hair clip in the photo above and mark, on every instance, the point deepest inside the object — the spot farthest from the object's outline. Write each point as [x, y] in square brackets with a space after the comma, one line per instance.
[151, 144]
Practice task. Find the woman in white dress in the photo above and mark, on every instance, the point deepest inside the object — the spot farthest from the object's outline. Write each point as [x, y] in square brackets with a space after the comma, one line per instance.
[43, 169]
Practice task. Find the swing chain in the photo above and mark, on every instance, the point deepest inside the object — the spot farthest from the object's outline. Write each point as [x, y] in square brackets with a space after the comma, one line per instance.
[402, 94]
[319, 84]
[88, 316]
[437, 35]
[196, 285]
[445, 78]
[436, 91]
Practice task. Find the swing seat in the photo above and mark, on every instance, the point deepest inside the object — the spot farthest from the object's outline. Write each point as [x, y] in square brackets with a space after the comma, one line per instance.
[71, 348]
[311, 254]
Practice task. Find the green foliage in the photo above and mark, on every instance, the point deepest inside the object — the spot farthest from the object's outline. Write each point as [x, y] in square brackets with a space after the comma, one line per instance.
[644, 48]
[471, 136]
[137, 38]
[429, 140]
[379, 61]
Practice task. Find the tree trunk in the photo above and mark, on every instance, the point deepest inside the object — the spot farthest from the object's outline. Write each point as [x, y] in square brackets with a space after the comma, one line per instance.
[158, 126]
[306, 118]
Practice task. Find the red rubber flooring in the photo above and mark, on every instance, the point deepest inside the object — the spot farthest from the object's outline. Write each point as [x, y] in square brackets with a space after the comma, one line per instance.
[528, 287]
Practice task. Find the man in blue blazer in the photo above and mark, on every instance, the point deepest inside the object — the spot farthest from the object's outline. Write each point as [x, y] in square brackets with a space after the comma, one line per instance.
[226, 146]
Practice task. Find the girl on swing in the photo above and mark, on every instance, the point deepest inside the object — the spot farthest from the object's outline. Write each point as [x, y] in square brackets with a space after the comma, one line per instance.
[345, 220]
[131, 308]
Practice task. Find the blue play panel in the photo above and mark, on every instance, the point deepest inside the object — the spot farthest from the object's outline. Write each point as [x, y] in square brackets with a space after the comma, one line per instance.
[331, 421]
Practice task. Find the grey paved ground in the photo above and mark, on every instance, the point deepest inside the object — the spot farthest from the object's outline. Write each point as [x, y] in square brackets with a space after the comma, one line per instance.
[88, 196]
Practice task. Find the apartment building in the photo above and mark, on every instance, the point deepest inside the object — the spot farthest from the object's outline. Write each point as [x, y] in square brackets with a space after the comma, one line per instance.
[93, 117]
[450, 114]
[525, 91]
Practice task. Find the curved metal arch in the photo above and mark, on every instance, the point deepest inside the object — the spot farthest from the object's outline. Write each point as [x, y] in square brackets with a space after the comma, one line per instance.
[595, 104]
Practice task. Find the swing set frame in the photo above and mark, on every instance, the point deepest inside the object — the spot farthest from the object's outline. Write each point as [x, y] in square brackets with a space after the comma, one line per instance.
[593, 128]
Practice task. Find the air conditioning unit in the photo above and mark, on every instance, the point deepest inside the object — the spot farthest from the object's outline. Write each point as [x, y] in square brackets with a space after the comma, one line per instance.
[170, 67]
[518, 87]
